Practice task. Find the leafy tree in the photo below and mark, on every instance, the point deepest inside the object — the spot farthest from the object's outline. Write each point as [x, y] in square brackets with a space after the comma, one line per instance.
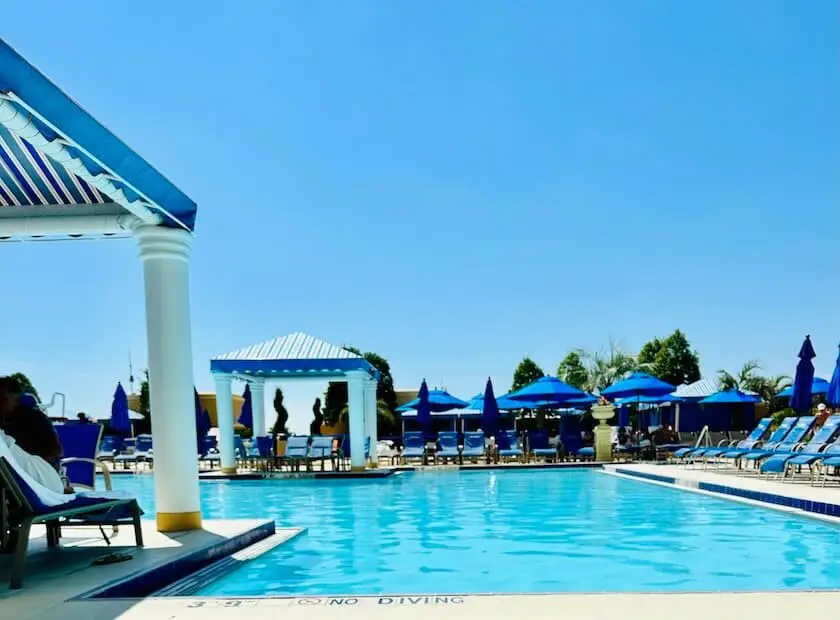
[527, 372]
[25, 384]
[671, 359]
[572, 371]
[747, 379]
[144, 403]
[604, 368]
[336, 397]
[317, 418]
[282, 420]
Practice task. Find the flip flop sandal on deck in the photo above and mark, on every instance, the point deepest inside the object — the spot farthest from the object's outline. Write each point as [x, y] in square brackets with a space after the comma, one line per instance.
[112, 558]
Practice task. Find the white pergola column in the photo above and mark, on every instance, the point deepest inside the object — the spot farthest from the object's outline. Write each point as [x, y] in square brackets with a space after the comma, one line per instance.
[165, 254]
[258, 403]
[371, 430]
[356, 405]
[224, 418]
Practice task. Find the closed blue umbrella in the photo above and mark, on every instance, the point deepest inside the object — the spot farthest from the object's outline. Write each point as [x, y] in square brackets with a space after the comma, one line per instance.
[832, 396]
[424, 408]
[548, 391]
[490, 413]
[198, 421]
[800, 400]
[119, 422]
[730, 397]
[638, 384]
[246, 416]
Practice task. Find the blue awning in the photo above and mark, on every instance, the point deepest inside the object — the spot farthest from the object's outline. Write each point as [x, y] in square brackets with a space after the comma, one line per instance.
[54, 154]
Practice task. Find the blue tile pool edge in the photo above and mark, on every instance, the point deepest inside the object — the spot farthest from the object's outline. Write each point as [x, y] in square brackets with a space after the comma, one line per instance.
[145, 582]
[773, 499]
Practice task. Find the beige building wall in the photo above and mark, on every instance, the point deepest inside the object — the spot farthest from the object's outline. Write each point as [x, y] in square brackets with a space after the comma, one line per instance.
[208, 401]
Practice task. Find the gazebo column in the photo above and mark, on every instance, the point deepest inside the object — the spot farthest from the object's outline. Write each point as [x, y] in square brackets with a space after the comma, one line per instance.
[356, 405]
[258, 403]
[370, 420]
[165, 254]
[224, 418]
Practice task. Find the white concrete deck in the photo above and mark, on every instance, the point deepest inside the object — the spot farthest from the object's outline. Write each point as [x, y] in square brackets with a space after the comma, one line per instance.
[686, 475]
[55, 575]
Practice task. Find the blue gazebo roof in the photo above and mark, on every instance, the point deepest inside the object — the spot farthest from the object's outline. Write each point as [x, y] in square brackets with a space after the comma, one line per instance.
[55, 158]
[295, 355]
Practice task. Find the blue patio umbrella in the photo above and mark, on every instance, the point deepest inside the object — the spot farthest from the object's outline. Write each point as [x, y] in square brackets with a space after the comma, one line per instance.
[502, 402]
[648, 400]
[199, 422]
[490, 413]
[439, 401]
[246, 415]
[548, 391]
[818, 386]
[800, 400]
[424, 407]
[637, 385]
[119, 422]
[730, 397]
[832, 396]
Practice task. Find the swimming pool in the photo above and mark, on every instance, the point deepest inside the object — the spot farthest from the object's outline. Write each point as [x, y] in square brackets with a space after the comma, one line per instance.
[512, 532]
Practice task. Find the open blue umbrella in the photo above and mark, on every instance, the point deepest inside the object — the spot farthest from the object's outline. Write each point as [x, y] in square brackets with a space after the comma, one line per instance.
[246, 415]
[832, 396]
[424, 408]
[648, 400]
[800, 400]
[818, 386]
[439, 401]
[504, 403]
[490, 413]
[119, 422]
[637, 385]
[730, 397]
[548, 391]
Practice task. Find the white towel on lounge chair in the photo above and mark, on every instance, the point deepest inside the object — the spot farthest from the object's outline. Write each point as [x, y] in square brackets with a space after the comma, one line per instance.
[42, 477]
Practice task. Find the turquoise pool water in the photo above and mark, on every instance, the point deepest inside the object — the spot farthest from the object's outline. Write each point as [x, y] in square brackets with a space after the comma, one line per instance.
[513, 532]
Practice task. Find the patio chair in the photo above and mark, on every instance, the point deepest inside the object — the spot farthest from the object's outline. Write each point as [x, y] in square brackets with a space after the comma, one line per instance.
[344, 455]
[448, 446]
[474, 446]
[143, 452]
[782, 464]
[297, 451]
[321, 449]
[79, 465]
[538, 445]
[265, 448]
[27, 503]
[109, 447]
[830, 461]
[509, 448]
[414, 447]
[788, 444]
[750, 441]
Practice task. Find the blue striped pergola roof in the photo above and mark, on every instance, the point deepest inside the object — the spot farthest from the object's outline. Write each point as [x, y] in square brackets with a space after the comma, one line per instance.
[295, 355]
[57, 160]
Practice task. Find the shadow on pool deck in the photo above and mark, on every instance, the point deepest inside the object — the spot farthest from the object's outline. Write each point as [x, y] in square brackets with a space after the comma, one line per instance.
[54, 576]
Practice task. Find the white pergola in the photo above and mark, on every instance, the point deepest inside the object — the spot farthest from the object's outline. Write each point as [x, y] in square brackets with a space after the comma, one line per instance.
[63, 176]
[296, 356]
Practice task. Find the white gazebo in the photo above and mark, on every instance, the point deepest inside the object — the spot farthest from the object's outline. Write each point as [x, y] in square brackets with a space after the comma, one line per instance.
[63, 176]
[296, 356]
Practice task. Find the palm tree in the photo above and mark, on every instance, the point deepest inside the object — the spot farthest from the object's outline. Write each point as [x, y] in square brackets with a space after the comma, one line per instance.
[383, 413]
[740, 381]
[604, 368]
[768, 387]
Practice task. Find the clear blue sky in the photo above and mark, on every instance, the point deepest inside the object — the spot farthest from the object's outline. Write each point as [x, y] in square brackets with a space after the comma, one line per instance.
[452, 184]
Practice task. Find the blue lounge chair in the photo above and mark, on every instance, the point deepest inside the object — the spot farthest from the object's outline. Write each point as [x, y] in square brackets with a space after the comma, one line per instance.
[810, 453]
[749, 442]
[414, 447]
[797, 433]
[79, 465]
[297, 451]
[143, 452]
[539, 447]
[344, 452]
[24, 508]
[830, 461]
[109, 447]
[474, 446]
[447, 446]
[508, 444]
[776, 437]
[265, 450]
[321, 449]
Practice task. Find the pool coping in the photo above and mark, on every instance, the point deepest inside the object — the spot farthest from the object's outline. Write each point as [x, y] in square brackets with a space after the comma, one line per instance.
[143, 583]
[755, 497]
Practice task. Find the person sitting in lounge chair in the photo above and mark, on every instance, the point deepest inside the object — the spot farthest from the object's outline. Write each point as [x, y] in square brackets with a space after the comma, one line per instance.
[30, 436]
